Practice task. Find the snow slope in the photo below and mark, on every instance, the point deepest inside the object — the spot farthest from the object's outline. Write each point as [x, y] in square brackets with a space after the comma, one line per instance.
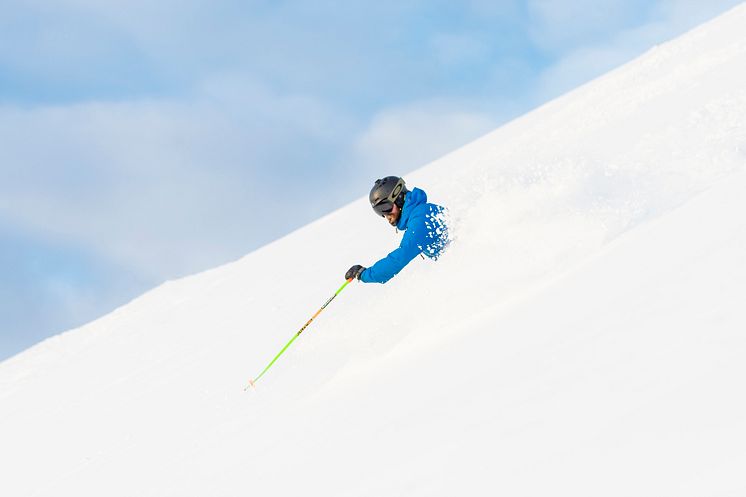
[583, 336]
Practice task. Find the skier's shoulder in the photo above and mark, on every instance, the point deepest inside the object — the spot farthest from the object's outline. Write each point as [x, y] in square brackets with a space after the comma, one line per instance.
[428, 212]
[419, 213]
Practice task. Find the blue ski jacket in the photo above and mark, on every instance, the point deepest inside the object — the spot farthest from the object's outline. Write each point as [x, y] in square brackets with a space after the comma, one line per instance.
[425, 233]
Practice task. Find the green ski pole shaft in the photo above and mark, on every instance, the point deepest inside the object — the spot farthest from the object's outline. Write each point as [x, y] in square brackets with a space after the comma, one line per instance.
[253, 382]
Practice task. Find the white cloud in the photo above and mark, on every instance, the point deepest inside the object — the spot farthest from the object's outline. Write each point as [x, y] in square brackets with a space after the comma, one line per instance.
[557, 25]
[110, 177]
[685, 14]
[462, 48]
[165, 187]
[402, 139]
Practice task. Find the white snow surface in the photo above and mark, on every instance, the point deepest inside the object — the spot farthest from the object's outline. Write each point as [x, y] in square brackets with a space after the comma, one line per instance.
[584, 335]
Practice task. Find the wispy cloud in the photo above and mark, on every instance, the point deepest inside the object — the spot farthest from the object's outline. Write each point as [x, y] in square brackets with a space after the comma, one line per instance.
[561, 25]
[401, 139]
[169, 176]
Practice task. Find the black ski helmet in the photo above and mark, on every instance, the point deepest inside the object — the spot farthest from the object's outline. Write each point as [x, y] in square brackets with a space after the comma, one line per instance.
[385, 193]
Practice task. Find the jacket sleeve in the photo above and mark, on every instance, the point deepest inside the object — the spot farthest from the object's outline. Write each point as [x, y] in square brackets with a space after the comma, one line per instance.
[389, 266]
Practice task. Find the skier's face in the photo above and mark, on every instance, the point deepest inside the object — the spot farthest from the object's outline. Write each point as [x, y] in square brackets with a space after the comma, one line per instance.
[393, 216]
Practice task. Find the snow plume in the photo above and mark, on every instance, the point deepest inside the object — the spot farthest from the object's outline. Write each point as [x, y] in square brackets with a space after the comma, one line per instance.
[583, 334]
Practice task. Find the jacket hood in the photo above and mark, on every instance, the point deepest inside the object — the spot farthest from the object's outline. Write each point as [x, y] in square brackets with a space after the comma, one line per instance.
[411, 200]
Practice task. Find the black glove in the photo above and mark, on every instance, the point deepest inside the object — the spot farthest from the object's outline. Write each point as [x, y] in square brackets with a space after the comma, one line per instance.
[354, 272]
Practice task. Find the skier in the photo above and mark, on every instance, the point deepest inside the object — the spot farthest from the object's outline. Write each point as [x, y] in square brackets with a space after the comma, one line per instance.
[423, 223]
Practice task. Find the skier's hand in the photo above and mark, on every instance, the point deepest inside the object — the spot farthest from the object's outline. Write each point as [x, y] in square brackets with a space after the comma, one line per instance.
[354, 272]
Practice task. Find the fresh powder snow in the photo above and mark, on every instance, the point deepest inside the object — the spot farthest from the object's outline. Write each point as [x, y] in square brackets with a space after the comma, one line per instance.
[584, 334]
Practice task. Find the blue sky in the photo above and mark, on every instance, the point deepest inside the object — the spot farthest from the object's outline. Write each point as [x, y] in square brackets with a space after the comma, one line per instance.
[142, 141]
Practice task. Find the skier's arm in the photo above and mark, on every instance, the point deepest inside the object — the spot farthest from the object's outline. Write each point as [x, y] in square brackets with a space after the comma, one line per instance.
[389, 266]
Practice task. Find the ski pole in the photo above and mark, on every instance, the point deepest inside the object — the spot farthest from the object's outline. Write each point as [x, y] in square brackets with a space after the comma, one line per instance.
[252, 382]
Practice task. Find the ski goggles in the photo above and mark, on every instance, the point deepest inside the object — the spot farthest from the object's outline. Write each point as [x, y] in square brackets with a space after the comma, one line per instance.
[383, 208]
